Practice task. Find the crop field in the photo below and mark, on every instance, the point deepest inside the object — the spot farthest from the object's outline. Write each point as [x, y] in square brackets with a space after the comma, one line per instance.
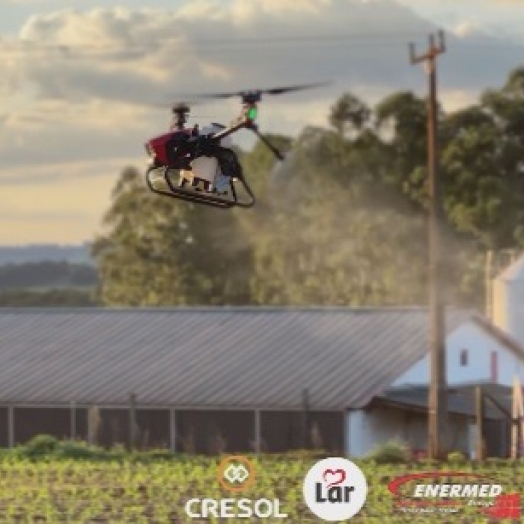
[155, 491]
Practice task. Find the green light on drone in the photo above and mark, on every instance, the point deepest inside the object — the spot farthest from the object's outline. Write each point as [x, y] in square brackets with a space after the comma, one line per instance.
[252, 113]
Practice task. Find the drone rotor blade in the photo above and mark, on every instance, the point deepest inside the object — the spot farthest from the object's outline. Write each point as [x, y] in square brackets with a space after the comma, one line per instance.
[280, 90]
[272, 91]
[221, 95]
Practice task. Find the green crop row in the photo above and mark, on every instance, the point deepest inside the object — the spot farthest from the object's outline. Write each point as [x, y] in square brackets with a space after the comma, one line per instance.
[129, 491]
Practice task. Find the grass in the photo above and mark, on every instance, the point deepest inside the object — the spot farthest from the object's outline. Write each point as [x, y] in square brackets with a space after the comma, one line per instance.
[153, 489]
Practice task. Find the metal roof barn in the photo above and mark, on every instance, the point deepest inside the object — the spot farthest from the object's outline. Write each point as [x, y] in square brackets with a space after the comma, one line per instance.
[214, 358]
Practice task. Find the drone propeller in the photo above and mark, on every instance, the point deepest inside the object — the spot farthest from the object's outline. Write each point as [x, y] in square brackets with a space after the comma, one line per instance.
[258, 92]
[180, 107]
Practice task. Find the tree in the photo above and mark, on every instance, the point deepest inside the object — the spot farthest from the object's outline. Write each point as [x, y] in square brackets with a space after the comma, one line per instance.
[401, 118]
[47, 298]
[348, 114]
[330, 237]
[484, 169]
[341, 221]
[162, 251]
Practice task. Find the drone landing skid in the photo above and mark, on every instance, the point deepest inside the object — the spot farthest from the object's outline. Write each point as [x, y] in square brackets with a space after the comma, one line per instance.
[161, 181]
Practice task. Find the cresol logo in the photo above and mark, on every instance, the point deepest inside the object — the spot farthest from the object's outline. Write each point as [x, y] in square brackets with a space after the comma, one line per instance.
[236, 474]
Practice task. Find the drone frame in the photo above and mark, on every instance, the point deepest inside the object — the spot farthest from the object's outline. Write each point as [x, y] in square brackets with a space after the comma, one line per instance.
[245, 121]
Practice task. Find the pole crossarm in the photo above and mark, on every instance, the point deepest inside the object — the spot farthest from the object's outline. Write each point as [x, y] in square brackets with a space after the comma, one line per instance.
[432, 52]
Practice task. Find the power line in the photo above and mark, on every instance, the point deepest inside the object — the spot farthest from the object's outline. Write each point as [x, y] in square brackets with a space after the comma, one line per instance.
[382, 39]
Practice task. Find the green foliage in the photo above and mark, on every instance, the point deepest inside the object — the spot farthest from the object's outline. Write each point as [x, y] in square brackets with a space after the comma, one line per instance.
[47, 275]
[343, 221]
[159, 251]
[391, 452]
[41, 445]
[129, 491]
[154, 455]
[52, 297]
[349, 113]
[457, 457]
[47, 447]
[69, 449]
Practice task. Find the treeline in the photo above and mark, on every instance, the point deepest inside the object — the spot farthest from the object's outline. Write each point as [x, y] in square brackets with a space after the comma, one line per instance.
[47, 274]
[48, 283]
[21, 254]
[50, 298]
[342, 222]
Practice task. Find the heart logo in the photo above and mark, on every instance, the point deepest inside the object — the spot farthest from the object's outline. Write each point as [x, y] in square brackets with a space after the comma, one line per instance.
[334, 476]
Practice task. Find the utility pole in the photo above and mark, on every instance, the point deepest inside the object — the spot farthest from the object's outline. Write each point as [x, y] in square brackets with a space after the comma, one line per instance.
[437, 419]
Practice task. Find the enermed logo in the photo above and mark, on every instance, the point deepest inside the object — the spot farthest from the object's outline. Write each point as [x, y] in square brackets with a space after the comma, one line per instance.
[335, 489]
[452, 492]
[235, 474]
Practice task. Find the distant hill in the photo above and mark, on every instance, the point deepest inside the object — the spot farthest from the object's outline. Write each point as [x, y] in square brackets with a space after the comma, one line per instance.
[30, 253]
[47, 275]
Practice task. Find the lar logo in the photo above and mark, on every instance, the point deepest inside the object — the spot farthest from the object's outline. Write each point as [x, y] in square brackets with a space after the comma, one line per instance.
[236, 473]
[335, 489]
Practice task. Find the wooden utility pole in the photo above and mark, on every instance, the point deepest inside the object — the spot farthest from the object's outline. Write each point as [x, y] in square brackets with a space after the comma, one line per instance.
[132, 422]
[437, 424]
[479, 415]
[305, 419]
[517, 413]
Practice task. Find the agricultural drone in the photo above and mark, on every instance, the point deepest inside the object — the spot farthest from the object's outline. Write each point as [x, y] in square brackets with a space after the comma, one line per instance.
[198, 165]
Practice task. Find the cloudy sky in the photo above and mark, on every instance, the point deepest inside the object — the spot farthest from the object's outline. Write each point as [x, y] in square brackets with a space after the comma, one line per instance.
[80, 79]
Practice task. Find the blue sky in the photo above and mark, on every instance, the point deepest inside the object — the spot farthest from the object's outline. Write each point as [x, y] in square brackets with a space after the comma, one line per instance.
[70, 123]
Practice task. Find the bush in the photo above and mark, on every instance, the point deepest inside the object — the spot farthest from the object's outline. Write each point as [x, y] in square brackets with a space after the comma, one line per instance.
[303, 454]
[457, 457]
[41, 445]
[117, 452]
[392, 452]
[158, 454]
[78, 450]
[45, 448]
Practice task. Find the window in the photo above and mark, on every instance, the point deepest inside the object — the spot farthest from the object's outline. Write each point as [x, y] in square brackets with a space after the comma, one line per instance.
[464, 357]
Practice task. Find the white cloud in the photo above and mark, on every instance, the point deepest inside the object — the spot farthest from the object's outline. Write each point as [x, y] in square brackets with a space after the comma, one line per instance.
[80, 91]
[466, 28]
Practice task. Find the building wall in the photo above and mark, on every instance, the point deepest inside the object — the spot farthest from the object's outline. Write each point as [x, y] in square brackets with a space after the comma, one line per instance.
[286, 430]
[367, 429]
[57, 422]
[4, 436]
[211, 432]
[197, 431]
[487, 360]
[508, 307]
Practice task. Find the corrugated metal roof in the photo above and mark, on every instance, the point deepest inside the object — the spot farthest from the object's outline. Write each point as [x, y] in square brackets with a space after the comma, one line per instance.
[209, 357]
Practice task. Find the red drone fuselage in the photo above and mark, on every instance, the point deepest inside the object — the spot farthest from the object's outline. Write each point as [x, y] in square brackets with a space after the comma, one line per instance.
[158, 146]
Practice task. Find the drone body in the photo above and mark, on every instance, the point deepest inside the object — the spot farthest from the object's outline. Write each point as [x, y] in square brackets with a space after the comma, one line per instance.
[198, 165]
[185, 164]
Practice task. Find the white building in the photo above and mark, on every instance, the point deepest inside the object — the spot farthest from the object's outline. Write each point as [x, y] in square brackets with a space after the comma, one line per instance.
[478, 351]
[508, 300]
